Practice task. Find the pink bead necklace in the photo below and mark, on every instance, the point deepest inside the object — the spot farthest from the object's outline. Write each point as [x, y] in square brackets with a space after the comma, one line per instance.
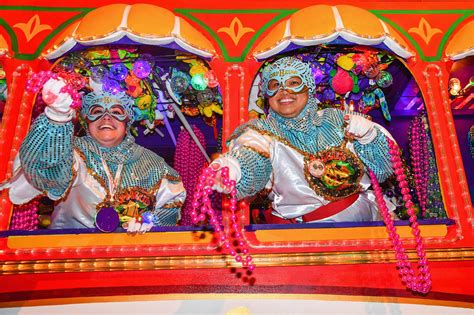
[418, 283]
[202, 206]
[420, 160]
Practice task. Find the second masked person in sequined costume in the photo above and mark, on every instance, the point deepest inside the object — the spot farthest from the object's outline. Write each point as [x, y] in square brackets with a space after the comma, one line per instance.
[313, 162]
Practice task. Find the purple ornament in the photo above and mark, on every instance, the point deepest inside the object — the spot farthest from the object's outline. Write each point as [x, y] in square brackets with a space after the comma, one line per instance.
[326, 67]
[98, 73]
[111, 86]
[355, 96]
[363, 83]
[107, 219]
[328, 95]
[67, 64]
[317, 73]
[141, 69]
[118, 71]
[147, 217]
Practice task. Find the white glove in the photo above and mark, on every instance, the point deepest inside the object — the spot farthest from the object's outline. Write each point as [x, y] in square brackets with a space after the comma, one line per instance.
[360, 128]
[136, 227]
[58, 108]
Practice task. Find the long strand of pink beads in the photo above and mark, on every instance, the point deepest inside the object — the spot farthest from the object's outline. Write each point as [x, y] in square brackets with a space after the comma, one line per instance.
[420, 160]
[418, 283]
[202, 206]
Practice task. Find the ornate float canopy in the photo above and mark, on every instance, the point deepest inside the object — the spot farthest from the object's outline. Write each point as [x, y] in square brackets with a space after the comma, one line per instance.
[324, 24]
[461, 44]
[131, 24]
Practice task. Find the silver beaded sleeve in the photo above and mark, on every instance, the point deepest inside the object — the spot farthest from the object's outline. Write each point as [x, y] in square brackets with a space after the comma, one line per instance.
[375, 156]
[166, 216]
[255, 169]
[46, 156]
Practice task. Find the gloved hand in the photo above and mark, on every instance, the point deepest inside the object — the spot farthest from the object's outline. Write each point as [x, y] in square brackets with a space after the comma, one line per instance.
[234, 172]
[360, 128]
[58, 108]
[134, 226]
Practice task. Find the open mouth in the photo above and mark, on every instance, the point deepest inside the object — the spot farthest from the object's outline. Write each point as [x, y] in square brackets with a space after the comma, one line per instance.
[286, 100]
[106, 127]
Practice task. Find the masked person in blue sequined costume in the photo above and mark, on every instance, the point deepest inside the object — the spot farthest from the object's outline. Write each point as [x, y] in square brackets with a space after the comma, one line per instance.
[104, 168]
[313, 163]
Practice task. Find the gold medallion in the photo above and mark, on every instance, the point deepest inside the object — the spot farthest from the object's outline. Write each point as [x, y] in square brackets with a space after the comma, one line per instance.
[334, 173]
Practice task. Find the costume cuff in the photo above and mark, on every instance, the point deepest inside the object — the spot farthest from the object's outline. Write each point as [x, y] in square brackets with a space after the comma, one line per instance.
[368, 137]
[58, 116]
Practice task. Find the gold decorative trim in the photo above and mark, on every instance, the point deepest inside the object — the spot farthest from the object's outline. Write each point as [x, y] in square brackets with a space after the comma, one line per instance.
[223, 261]
[175, 204]
[68, 189]
[33, 27]
[155, 187]
[99, 179]
[424, 30]
[259, 152]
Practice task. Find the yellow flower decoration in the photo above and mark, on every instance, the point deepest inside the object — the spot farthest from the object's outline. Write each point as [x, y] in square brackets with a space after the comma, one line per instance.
[345, 62]
[98, 53]
[144, 102]
[209, 110]
[198, 68]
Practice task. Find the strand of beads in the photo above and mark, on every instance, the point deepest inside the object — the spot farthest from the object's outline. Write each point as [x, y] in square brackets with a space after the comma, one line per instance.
[420, 160]
[25, 217]
[202, 205]
[188, 162]
[37, 80]
[418, 283]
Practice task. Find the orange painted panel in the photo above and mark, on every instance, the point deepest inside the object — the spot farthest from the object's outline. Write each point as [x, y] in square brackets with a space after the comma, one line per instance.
[100, 22]
[3, 43]
[396, 36]
[143, 20]
[462, 41]
[274, 37]
[193, 37]
[62, 37]
[313, 22]
[360, 22]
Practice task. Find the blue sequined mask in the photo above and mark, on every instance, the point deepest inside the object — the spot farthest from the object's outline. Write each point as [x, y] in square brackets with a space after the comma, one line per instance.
[97, 105]
[287, 73]
[98, 111]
